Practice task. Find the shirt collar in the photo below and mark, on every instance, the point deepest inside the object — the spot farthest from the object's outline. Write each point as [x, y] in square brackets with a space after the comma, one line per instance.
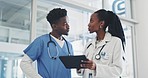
[106, 39]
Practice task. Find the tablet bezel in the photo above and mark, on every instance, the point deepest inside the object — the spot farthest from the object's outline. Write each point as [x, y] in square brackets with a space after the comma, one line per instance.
[73, 61]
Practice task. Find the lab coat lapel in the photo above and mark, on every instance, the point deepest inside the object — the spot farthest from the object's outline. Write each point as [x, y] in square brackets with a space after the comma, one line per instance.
[106, 39]
[103, 42]
[99, 44]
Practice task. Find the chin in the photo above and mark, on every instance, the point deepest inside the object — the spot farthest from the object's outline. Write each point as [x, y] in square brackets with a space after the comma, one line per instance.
[65, 34]
[90, 32]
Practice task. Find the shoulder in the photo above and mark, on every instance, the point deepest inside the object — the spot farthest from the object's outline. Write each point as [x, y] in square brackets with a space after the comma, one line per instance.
[40, 40]
[109, 37]
[90, 43]
[113, 40]
[68, 42]
[116, 39]
[116, 42]
[42, 37]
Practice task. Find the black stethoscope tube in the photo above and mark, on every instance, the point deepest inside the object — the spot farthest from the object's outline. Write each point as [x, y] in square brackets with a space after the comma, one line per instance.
[51, 41]
[97, 56]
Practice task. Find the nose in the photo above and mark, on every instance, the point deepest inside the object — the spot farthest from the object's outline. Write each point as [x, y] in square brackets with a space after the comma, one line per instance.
[67, 25]
[88, 24]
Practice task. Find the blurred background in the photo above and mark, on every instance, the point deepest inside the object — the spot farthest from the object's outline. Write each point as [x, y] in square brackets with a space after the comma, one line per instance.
[21, 21]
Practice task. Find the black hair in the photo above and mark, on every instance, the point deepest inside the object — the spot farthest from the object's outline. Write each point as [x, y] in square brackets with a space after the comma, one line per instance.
[54, 15]
[113, 23]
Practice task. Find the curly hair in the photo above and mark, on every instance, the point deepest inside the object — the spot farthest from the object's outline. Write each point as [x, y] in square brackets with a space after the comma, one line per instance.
[54, 15]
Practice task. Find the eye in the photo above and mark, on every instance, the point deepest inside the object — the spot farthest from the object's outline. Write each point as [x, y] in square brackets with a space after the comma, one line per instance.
[91, 21]
[65, 23]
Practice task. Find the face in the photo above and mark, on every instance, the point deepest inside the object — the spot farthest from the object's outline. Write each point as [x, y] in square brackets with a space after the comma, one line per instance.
[94, 23]
[62, 26]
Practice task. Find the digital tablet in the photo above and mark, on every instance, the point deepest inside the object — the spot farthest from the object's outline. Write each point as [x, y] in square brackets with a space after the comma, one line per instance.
[73, 61]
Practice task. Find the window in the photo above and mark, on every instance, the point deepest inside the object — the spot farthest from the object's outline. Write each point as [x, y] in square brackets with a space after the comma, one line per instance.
[120, 7]
[14, 34]
[15, 19]
[15, 26]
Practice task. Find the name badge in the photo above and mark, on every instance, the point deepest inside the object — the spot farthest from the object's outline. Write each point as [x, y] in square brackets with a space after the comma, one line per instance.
[104, 55]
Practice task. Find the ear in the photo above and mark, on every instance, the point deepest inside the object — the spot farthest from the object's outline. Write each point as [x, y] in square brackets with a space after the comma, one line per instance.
[102, 23]
[54, 26]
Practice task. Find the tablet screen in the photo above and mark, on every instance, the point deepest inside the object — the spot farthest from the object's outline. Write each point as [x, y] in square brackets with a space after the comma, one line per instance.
[72, 61]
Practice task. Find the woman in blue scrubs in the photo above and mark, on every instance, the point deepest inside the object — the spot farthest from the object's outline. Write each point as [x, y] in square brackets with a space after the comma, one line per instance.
[47, 48]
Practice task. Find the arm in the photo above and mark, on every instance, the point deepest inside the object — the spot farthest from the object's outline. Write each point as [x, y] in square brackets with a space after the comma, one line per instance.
[27, 68]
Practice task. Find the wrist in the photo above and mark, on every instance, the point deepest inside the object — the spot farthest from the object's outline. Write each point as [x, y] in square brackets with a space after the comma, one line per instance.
[93, 67]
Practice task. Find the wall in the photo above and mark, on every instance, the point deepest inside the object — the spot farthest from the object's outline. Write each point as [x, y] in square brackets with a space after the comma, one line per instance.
[140, 12]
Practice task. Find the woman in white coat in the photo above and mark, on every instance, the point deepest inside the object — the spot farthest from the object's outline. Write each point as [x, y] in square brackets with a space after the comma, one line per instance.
[104, 52]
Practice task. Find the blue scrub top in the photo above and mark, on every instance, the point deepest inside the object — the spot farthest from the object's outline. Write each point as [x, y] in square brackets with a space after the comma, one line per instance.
[47, 67]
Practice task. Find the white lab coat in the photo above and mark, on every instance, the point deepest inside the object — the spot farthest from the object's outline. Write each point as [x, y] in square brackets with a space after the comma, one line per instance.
[110, 65]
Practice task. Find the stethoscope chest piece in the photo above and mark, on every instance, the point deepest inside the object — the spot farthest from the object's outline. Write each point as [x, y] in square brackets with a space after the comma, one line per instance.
[97, 57]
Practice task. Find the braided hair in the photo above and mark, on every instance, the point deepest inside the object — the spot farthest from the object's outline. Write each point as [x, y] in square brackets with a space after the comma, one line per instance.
[113, 23]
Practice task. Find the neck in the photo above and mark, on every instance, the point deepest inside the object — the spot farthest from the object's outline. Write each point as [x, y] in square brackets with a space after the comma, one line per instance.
[100, 36]
[56, 35]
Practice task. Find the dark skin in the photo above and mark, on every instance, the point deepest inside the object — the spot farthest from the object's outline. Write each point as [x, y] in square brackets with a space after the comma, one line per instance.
[95, 25]
[60, 28]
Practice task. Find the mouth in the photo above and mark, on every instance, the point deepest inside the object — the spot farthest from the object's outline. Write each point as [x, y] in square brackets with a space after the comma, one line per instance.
[89, 29]
[67, 30]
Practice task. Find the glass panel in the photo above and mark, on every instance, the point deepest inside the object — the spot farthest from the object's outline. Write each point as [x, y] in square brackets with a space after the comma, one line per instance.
[9, 65]
[78, 26]
[15, 21]
[78, 29]
[43, 27]
[4, 33]
[92, 3]
[128, 51]
[15, 28]
[120, 7]
[78, 34]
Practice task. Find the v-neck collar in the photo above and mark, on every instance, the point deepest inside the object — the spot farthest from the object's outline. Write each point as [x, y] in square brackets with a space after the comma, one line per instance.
[64, 48]
[59, 42]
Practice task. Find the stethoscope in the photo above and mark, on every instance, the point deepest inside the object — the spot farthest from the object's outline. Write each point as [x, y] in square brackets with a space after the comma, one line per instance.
[98, 56]
[57, 51]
